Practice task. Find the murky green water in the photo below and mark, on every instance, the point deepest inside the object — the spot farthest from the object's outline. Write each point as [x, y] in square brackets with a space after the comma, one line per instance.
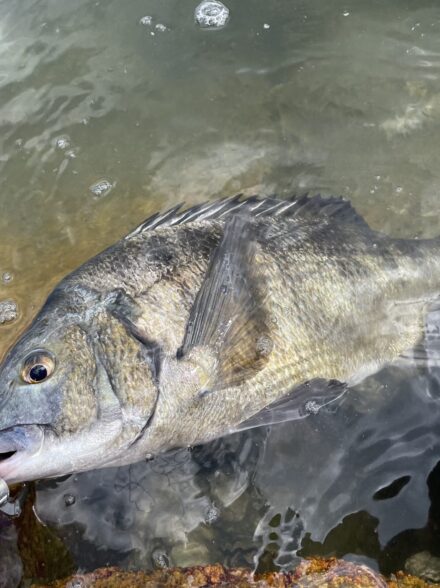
[292, 96]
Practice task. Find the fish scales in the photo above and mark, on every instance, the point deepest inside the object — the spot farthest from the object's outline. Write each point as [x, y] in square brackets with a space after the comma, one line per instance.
[199, 320]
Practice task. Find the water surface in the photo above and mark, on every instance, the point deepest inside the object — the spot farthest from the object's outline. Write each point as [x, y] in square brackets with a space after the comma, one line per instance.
[104, 120]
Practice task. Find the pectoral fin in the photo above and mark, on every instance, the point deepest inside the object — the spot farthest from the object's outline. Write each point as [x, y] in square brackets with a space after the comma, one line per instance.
[228, 316]
[308, 399]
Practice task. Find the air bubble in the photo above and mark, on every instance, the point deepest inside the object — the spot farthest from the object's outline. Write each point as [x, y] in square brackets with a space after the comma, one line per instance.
[160, 559]
[69, 499]
[264, 345]
[211, 14]
[312, 407]
[7, 277]
[63, 142]
[76, 583]
[101, 188]
[212, 514]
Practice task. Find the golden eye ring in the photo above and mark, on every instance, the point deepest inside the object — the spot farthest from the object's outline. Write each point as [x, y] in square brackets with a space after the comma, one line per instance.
[38, 367]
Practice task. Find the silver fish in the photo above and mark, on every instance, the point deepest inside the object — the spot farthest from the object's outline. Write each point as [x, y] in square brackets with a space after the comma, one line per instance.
[228, 315]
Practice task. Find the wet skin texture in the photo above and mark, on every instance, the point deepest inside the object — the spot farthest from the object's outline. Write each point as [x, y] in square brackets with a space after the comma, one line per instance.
[197, 321]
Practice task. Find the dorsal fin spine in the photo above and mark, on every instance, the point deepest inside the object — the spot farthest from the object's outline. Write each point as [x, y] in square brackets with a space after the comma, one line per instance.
[303, 206]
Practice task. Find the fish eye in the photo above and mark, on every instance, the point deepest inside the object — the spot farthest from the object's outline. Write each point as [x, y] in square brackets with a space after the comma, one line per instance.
[38, 366]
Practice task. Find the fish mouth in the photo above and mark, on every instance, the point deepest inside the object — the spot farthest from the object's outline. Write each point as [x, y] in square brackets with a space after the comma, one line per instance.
[6, 455]
[17, 445]
[32, 452]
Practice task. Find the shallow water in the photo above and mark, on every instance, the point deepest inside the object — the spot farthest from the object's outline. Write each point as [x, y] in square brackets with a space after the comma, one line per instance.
[105, 119]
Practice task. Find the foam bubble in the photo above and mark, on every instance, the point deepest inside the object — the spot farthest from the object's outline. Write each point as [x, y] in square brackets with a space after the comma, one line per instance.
[211, 14]
[63, 142]
[8, 311]
[101, 188]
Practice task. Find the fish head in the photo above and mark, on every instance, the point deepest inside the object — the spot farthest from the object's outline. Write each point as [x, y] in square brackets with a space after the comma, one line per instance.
[61, 404]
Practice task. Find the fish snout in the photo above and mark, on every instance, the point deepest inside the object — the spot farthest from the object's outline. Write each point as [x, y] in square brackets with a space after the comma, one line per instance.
[15, 444]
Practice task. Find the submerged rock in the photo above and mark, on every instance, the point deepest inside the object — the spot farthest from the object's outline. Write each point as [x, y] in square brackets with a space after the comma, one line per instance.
[331, 573]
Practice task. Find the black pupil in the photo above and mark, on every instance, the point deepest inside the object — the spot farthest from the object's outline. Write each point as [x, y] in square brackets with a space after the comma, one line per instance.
[38, 373]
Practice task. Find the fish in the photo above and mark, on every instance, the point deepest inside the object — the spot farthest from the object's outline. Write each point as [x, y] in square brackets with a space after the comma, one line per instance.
[236, 313]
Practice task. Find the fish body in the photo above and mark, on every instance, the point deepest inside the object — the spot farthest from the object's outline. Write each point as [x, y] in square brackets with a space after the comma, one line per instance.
[199, 320]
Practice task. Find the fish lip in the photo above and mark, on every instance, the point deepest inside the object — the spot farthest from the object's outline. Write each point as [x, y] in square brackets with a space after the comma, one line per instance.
[25, 441]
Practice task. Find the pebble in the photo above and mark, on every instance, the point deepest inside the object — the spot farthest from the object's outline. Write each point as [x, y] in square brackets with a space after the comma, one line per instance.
[211, 14]
[8, 311]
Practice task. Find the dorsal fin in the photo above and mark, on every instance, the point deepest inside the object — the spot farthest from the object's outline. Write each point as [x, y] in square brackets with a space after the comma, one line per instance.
[309, 207]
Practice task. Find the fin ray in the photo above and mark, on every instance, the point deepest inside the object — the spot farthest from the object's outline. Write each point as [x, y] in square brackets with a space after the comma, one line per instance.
[305, 206]
[306, 400]
[228, 317]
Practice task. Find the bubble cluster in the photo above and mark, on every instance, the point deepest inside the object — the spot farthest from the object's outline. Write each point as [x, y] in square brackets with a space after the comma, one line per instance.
[160, 559]
[8, 311]
[101, 188]
[146, 20]
[211, 14]
[312, 407]
[212, 514]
